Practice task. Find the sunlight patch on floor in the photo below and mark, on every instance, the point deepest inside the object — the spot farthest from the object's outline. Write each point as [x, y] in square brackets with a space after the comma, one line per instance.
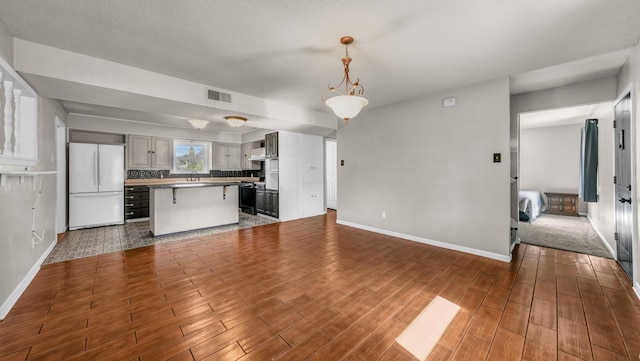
[422, 335]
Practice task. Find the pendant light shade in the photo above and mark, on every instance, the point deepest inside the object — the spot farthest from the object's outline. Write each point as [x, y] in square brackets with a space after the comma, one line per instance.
[346, 106]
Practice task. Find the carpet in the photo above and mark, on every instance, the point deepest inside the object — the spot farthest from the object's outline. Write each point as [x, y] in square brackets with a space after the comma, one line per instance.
[574, 234]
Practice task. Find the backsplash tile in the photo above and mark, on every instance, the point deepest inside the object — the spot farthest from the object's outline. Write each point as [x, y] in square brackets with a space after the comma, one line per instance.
[147, 174]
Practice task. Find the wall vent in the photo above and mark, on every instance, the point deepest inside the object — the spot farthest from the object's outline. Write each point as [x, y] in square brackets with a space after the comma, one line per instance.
[218, 96]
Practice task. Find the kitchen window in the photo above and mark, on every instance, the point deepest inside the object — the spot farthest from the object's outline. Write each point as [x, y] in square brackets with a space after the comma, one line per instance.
[191, 156]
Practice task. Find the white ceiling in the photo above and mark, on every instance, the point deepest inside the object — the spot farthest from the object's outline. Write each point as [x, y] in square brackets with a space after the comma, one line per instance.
[288, 50]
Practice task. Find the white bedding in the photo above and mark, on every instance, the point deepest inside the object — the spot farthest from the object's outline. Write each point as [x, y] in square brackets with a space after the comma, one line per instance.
[531, 203]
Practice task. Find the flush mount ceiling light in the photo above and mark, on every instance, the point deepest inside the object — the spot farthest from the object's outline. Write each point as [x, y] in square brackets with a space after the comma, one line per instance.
[198, 123]
[235, 121]
[349, 104]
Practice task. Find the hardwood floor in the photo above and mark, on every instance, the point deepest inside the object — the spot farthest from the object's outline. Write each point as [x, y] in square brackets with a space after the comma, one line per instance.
[311, 289]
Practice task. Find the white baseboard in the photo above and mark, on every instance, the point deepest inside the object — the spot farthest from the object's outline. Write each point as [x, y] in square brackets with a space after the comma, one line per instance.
[636, 289]
[22, 286]
[431, 242]
[604, 241]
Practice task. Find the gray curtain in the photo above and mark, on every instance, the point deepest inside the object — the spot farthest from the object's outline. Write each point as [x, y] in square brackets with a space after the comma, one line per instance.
[588, 190]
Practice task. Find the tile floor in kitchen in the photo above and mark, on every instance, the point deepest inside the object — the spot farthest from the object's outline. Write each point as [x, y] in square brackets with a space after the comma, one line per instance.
[94, 241]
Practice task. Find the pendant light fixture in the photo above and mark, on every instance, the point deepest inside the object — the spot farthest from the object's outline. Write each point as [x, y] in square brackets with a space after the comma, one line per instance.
[349, 104]
[235, 121]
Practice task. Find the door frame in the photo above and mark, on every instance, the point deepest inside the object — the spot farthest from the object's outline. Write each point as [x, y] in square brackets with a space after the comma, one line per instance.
[326, 173]
[634, 193]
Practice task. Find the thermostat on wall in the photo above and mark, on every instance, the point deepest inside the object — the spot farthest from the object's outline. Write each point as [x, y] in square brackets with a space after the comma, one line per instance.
[448, 102]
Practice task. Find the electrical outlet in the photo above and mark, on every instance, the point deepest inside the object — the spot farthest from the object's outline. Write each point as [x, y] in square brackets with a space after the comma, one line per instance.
[384, 214]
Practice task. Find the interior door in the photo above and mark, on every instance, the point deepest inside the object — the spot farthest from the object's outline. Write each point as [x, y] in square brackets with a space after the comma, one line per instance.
[623, 211]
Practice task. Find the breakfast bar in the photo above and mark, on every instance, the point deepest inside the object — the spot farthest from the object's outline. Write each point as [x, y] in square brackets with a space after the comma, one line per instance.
[179, 207]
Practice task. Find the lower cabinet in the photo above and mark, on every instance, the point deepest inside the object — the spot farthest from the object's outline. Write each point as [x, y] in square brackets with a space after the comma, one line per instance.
[271, 203]
[267, 202]
[260, 201]
[312, 202]
[136, 202]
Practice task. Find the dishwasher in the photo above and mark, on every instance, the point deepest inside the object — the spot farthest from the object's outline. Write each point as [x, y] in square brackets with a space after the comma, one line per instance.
[247, 197]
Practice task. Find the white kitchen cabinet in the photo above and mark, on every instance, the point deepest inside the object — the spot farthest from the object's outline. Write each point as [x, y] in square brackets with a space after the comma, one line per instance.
[312, 200]
[149, 152]
[312, 158]
[312, 169]
[247, 163]
[226, 156]
[301, 175]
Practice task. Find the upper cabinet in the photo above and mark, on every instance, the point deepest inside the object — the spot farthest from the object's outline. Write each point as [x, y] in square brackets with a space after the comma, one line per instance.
[311, 149]
[149, 152]
[271, 145]
[226, 156]
[247, 163]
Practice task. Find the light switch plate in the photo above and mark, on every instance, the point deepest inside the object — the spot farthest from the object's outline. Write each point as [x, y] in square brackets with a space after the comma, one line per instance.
[497, 157]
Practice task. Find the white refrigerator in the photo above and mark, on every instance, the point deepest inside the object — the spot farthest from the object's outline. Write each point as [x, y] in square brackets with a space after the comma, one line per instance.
[96, 185]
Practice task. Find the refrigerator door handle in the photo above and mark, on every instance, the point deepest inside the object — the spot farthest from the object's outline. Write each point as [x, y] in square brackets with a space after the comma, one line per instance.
[99, 174]
[95, 167]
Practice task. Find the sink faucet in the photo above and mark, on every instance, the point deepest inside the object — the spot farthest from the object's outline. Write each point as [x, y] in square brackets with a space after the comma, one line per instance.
[194, 176]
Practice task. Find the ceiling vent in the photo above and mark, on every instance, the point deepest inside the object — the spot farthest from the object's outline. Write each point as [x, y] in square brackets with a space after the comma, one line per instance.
[217, 96]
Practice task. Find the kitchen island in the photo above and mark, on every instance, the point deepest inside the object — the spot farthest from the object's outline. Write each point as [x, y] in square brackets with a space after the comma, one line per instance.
[185, 206]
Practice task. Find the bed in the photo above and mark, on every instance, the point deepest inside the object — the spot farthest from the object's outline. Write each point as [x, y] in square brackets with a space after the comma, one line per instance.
[531, 204]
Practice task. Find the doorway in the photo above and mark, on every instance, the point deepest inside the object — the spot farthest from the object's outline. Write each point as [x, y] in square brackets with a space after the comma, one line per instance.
[61, 177]
[549, 143]
[622, 180]
[331, 163]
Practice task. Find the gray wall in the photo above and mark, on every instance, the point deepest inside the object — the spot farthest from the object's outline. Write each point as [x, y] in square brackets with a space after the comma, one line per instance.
[18, 260]
[550, 158]
[18, 257]
[430, 169]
